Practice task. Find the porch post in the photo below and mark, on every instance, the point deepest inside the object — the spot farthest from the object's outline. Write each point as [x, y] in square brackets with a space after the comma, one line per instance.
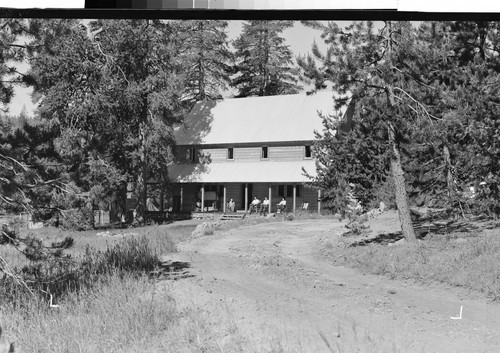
[225, 202]
[294, 198]
[202, 198]
[319, 201]
[182, 198]
[270, 202]
[246, 198]
[161, 199]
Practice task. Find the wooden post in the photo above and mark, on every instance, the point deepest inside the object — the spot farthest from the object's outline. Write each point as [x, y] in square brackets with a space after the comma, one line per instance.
[246, 198]
[319, 201]
[182, 199]
[294, 198]
[202, 198]
[225, 200]
[270, 202]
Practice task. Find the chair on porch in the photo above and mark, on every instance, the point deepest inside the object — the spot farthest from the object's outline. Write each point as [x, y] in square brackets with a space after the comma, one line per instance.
[303, 207]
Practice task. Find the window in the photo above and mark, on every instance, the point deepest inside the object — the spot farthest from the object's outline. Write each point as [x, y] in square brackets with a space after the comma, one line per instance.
[281, 190]
[230, 153]
[191, 154]
[264, 153]
[289, 190]
[307, 151]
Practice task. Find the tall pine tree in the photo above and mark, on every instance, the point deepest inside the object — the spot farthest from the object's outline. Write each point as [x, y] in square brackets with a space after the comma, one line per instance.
[207, 59]
[380, 71]
[264, 65]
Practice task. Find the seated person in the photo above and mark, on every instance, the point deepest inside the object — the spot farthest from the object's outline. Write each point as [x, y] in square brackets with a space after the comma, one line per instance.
[254, 206]
[231, 205]
[265, 206]
[282, 205]
[198, 205]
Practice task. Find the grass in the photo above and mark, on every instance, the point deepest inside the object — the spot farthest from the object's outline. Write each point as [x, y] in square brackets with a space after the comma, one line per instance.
[112, 305]
[126, 314]
[472, 262]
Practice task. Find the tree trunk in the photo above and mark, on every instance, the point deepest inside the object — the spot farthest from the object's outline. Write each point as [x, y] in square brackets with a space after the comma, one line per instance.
[396, 166]
[142, 173]
[447, 165]
[400, 189]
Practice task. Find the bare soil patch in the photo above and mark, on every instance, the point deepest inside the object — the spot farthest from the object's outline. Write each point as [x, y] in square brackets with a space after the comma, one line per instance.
[286, 293]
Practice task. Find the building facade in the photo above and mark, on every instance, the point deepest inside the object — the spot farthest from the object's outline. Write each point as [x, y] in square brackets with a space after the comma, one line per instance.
[248, 147]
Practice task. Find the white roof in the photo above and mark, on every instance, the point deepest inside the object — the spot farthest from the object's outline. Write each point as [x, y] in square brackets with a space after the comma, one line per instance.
[243, 172]
[255, 119]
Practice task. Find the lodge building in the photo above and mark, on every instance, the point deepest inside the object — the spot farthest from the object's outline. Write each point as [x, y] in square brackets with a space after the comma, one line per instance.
[244, 147]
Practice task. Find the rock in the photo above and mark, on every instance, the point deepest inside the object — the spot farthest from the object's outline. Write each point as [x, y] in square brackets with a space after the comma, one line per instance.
[205, 228]
[382, 207]
[399, 242]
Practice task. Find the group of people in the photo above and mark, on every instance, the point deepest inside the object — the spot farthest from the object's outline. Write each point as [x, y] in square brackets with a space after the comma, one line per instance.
[259, 206]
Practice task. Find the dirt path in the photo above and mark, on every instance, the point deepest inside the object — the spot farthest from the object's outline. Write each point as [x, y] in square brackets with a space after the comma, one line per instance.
[284, 296]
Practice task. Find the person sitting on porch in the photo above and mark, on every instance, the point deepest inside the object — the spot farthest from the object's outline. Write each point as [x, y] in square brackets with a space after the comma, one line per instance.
[265, 206]
[254, 206]
[198, 206]
[282, 205]
[231, 205]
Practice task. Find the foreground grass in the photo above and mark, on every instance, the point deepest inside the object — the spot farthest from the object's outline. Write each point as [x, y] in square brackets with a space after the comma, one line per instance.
[112, 305]
[472, 262]
[127, 314]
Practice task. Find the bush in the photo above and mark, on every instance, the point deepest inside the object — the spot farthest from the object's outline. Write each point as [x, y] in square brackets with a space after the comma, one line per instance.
[77, 219]
[62, 275]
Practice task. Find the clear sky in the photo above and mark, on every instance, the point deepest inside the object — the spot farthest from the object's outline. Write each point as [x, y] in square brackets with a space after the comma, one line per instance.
[300, 39]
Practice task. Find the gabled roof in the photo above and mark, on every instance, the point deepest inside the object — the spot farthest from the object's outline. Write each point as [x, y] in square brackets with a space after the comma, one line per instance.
[255, 119]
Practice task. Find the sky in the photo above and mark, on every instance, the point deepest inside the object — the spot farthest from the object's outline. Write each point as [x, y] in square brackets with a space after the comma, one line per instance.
[299, 38]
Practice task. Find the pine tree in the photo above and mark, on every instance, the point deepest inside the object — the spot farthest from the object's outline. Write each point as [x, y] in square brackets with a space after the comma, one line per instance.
[382, 72]
[263, 61]
[207, 58]
[113, 89]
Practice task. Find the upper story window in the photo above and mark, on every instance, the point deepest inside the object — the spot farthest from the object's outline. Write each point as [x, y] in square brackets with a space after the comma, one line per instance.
[307, 151]
[191, 154]
[263, 154]
[230, 153]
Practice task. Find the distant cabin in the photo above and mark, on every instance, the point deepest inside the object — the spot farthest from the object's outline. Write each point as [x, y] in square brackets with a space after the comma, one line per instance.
[243, 148]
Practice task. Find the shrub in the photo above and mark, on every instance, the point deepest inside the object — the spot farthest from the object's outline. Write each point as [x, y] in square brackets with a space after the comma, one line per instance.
[77, 219]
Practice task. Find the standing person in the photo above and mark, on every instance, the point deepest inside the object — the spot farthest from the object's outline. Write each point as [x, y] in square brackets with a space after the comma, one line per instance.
[282, 205]
[231, 205]
[265, 206]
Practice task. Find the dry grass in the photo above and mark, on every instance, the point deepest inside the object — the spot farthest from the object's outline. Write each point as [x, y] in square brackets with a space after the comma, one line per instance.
[123, 310]
[127, 314]
[472, 262]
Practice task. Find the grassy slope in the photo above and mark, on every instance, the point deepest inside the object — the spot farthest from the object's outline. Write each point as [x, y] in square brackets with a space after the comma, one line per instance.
[471, 262]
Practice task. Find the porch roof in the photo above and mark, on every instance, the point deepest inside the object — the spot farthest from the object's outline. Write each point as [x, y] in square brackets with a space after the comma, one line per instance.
[243, 172]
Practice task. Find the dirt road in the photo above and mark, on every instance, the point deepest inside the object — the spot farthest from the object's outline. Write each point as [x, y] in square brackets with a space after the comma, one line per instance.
[284, 295]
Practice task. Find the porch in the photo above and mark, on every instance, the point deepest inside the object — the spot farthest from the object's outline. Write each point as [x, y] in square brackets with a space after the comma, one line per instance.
[214, 197]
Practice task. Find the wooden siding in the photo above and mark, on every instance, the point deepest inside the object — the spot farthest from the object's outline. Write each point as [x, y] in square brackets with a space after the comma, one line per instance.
[286, 153]
[215, 154]
[246, 154]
